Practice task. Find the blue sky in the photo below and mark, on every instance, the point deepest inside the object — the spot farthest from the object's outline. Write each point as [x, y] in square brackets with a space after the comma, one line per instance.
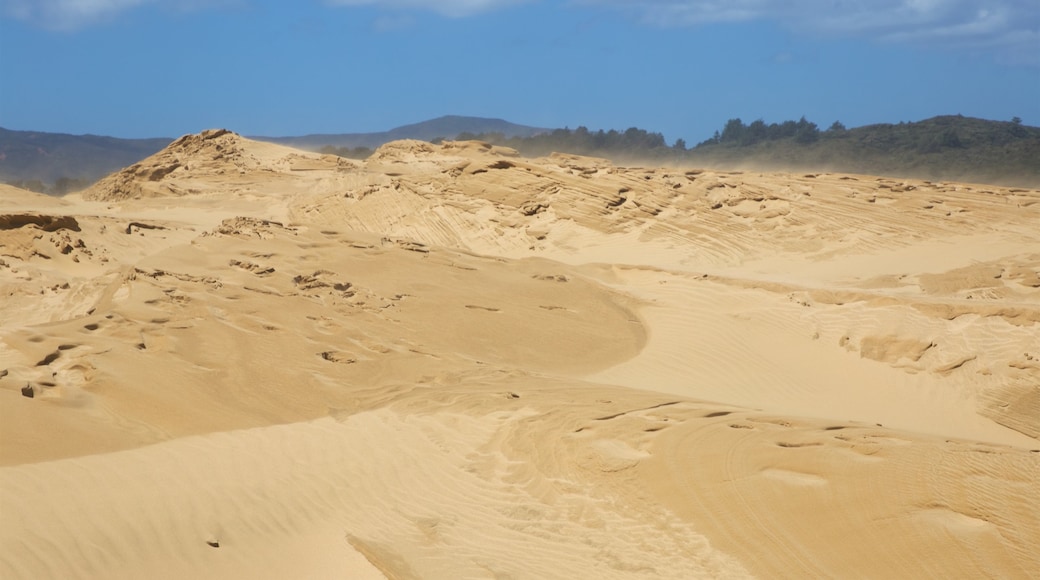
[147, 68]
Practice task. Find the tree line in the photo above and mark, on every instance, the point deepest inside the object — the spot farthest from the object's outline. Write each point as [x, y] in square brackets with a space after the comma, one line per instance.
[736, 133]
[580, 141]
[635, 142]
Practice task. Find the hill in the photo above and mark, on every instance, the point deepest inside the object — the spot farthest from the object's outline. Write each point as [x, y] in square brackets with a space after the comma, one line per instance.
[446, 127]
[39, 161]
[57, 163]
[951, 147]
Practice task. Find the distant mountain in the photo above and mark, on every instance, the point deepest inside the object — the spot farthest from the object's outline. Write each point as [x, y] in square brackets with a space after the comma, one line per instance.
[447, 127]
[56, 162]
[34, 159]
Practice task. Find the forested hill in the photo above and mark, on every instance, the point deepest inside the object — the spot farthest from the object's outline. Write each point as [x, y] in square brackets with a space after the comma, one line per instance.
[951, 148]
[446, 127]
[58, 163]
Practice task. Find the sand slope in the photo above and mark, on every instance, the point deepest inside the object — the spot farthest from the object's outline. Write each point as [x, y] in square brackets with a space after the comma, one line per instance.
[235, 359]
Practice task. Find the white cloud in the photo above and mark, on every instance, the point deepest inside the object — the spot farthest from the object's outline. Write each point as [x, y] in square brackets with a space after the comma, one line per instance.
[1004, 26]
[880, 17]
[74, 14]
[1009, 29]
[67, 14]
[452, 8]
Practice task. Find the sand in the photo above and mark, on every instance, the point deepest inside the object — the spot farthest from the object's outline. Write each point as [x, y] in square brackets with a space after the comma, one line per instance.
[239, 360]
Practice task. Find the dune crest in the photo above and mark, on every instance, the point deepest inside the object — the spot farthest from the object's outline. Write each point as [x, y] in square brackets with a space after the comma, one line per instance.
[187, 165]
[451, 361]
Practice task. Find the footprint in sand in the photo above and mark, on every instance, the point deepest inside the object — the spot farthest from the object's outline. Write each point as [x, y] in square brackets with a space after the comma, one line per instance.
[770, 421]
[253, 268]
[793, 445]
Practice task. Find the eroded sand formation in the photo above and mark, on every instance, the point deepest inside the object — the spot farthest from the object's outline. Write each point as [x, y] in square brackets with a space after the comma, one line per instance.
[235, 359]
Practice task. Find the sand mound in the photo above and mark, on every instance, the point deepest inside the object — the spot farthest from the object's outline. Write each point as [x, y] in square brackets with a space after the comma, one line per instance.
[19, 234]
[183, 167]
[216, 146]
[403, 151]
[450, 361]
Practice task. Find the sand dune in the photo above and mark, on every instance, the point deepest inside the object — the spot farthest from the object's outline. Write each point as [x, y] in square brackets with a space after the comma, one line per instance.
[236, 359]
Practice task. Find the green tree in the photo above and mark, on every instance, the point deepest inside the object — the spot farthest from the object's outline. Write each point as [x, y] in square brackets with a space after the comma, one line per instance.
[756, 132]
[807, 132]
[733, 132]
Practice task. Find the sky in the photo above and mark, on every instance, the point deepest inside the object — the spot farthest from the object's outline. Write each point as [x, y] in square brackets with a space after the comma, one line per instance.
[164, 68]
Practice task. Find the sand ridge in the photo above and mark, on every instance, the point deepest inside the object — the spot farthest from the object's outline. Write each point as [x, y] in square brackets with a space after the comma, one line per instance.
[450, 361]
